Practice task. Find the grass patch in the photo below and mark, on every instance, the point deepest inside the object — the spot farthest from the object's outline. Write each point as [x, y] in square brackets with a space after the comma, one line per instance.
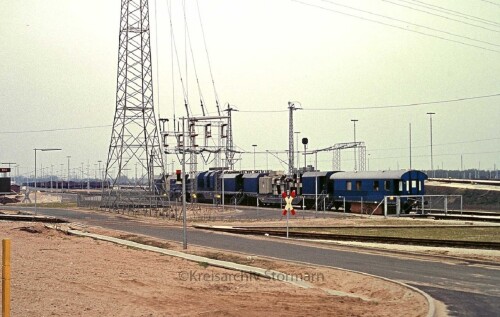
[489, 234]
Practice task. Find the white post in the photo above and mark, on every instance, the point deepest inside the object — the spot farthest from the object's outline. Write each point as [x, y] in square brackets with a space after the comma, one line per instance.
[385, 206]
[287, 216]
[398, 206]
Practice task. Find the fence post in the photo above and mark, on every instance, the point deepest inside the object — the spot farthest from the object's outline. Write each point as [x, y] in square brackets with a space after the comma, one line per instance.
[385, 206]
[6, 278]
[446, 205]
[461, 204]
[398, 206]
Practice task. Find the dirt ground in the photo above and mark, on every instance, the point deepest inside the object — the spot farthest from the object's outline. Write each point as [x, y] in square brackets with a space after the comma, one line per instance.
[54, 274]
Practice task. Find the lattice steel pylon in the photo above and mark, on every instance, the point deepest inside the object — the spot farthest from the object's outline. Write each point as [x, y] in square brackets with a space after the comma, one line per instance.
[134, 145]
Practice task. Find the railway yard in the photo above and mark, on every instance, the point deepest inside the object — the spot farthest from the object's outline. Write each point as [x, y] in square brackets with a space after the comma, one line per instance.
[447, 267]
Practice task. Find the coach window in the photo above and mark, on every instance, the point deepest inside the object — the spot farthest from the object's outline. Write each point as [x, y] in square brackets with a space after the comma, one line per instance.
[408, 186]
[413, 184]
[387, 185]
[375, 186]
[400, 185]
[349, 185]
[358, 185]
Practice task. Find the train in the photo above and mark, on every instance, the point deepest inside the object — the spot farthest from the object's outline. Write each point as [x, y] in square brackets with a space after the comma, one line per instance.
[357, 191]
[92, 184]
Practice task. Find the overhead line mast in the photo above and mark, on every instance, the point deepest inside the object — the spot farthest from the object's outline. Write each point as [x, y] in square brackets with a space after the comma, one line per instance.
[291, 108]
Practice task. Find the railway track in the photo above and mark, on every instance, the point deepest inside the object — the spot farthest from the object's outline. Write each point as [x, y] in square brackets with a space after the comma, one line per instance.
[360, 238]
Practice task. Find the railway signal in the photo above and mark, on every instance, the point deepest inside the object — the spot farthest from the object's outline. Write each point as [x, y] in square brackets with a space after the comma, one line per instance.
[288, 207]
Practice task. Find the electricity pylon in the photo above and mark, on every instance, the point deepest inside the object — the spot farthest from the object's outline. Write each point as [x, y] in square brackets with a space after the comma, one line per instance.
[134, 156]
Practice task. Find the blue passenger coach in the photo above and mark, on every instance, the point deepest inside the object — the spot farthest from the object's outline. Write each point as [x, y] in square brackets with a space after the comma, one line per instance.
[371, 187]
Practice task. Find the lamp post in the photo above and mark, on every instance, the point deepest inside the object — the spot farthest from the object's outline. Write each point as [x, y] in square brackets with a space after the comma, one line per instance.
[62, 177]
[68, 171]
[254, 146]
[100, 174]
[355, 162]
[432, 157]
[43, 150]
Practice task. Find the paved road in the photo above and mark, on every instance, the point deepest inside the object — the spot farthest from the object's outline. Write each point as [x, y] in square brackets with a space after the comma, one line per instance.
[467, 290]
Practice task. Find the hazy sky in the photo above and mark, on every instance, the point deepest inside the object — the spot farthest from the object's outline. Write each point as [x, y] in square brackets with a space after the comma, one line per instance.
[58, 63]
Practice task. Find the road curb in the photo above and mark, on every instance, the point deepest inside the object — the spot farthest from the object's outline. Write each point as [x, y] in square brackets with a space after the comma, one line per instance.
[270, 274]
[430, 300]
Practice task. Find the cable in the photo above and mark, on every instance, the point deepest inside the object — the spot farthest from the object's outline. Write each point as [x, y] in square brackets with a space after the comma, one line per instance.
[184, 89]
[403, 105]
[442, 9]
[410, 23]
[157, 62]
[379, 107]
[200, 93]
[441, 16]
[59, 129]
[491, 2]
[441, 144]
[394, 26]
[208, 59]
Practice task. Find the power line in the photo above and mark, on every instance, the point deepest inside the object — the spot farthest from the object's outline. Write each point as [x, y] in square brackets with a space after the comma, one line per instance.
[402, 105]
[456, 13]
[414, 24]
[491, 2]
[441, 16]
[54, 130]
[394, 26]
[441, 144]
[380, 107]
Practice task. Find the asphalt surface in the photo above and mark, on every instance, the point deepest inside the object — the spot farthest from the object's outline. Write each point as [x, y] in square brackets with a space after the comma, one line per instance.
[467, 290]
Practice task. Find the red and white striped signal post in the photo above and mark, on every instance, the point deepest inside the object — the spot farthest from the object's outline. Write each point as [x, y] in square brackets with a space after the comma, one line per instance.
[288, 207]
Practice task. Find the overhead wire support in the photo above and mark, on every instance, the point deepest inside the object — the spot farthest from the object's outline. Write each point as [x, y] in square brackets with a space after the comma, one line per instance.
[229, 139]
[291, 152]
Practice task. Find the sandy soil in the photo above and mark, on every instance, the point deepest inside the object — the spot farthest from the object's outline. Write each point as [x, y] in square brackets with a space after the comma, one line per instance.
[58, 275]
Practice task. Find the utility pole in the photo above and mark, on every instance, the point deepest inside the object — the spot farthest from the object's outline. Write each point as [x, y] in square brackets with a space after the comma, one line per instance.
[410, 147]
[254, 146]
[68, 157]
[291, 107]
[432, 157]
[229, 142]
[355, 162]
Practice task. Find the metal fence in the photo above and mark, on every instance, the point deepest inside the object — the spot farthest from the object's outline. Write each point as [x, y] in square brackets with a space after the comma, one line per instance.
[422, 204]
